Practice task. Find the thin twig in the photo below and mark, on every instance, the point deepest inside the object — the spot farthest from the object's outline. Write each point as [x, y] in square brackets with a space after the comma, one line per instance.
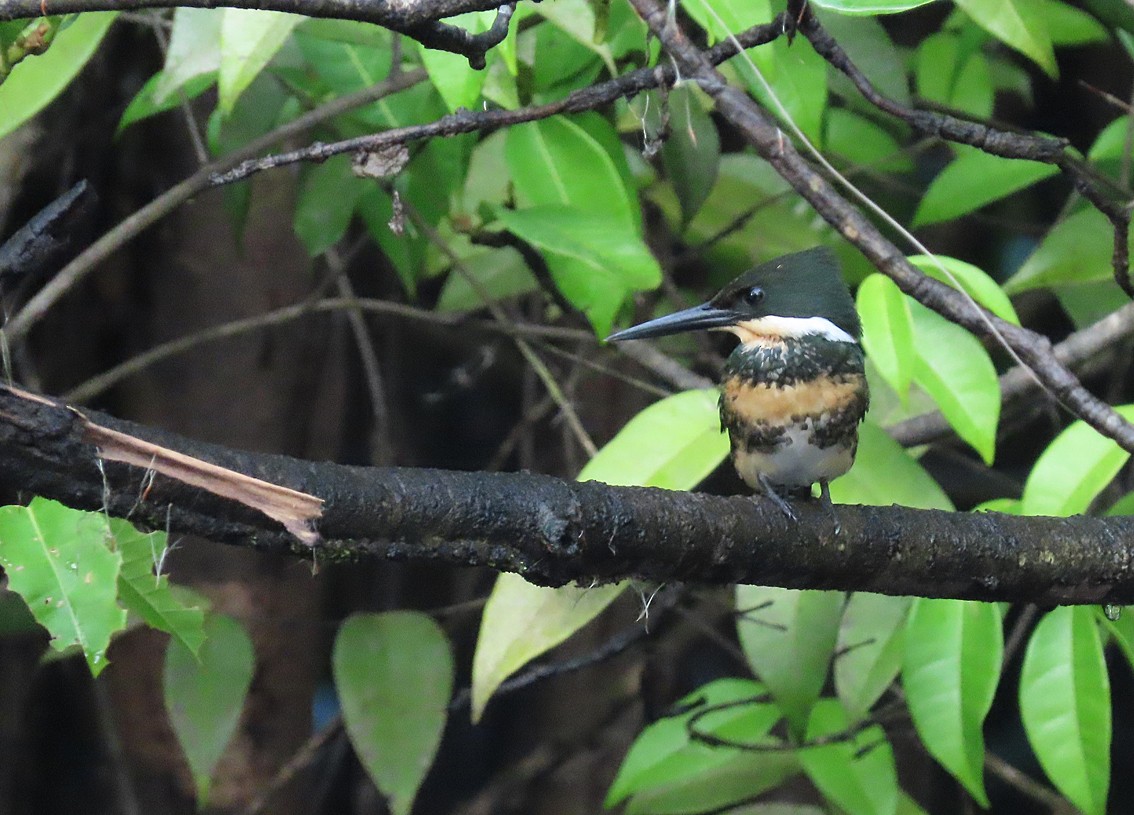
[96, 385]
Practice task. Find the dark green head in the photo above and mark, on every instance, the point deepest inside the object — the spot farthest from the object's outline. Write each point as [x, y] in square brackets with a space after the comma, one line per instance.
[791, 296]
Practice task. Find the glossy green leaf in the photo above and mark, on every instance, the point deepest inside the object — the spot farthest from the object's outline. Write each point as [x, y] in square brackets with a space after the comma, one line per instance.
[1018, 23]
[522, 621]
[968, 278]
[249, 39]
[692, 152]
[145, 591]
[720, 18]
[394, 676]
[37, 80]
[595, 260]
[1077, 465]
[501, 273]
[857, 775]
[742, 777]
[870, 6]
[694, 445]
[869, 649]
[953, 368]
[974, 179]
[885, 474]
[145, 103]
[788, 637]
[346, 56]
[954, 76]
[798, 79]
[458, 83]
[863, 143]
[327, 199]
[557, 162]
[57, 559]
[663, 754]
[870, 48]
[950, 672]
[1077, 250]
[204, 694]
[1068, 25]
[887, 331]
[194, 51]
[577, 19]
[1065, 705]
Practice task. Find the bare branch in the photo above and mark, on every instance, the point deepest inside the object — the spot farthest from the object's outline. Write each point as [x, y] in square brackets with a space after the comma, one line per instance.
[417, 19]
[554, 531]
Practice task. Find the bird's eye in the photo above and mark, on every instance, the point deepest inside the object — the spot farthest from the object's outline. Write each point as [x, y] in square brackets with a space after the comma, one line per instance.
[753, 295]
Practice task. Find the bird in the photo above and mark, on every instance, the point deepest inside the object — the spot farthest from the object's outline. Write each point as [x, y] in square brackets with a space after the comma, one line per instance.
[794, 390]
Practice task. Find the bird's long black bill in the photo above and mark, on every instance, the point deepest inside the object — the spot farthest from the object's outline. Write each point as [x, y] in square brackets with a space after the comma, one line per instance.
[690, 319]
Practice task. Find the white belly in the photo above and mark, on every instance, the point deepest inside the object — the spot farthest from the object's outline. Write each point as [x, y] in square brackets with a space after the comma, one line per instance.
[793, 463]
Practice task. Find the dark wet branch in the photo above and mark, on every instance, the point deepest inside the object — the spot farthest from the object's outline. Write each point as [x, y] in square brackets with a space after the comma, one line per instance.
[418, 19]
[554, 532]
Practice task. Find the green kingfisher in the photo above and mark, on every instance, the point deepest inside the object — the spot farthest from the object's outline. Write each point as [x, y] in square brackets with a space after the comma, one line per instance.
[794, 390]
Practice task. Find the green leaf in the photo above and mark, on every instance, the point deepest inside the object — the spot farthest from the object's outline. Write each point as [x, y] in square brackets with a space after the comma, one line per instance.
[522, 621]
[347, 56]
[146, 103]
[501, 272]
[457, 82]
[146, 592]
[394, 675]
[798, 78]
[248, 41]
[595, 260]
[576, 19]
[870, 48]
[1068, 25]
[57, 559]
[954, 76]
[974, 179]
[1065, 705]
[1077, 250]
[788, 637]
[720, 18]
[887, 331]
[864, 143]
[327, 200]
[870, 6]
[741, 777]
[1077, 465]
[869, 649]
[858, 775]
[194, 51]
[694, 445]
[968, 278]
[951, 669]
[953, 368]
[204, 694]
[556, 161]
[37, 80]
[1018, 23]
[884, 474]
[692, 153]
[664, 754]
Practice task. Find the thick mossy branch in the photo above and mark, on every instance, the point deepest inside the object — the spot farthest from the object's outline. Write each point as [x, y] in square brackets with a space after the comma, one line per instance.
[555, 531]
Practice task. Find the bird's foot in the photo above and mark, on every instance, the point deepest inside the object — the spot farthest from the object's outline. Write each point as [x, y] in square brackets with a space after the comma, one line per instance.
[777, 499]
[829, 505]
